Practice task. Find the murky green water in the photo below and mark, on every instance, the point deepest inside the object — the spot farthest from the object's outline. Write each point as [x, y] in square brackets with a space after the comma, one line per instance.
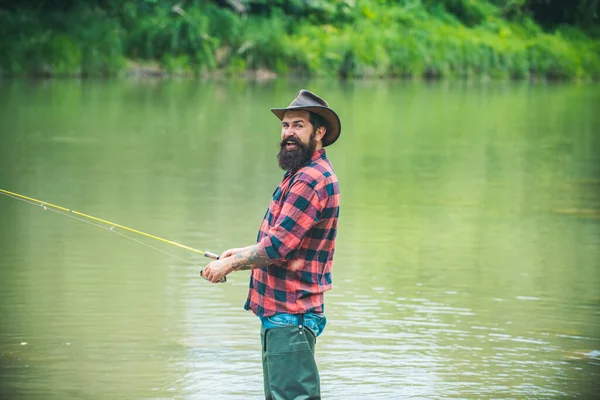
[468, 251]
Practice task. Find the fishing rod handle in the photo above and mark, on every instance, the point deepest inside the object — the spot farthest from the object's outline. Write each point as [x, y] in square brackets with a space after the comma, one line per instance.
[211, 255]
[214, 257]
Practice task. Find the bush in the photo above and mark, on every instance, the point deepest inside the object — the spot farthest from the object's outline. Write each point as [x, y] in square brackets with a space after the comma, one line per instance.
[339, 38]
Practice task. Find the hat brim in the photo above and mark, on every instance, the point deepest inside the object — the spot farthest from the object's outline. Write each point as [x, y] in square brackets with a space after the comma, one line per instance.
[332, 121]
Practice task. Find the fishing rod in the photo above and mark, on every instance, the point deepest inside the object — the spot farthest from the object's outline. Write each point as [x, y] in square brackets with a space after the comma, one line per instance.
[72, 213]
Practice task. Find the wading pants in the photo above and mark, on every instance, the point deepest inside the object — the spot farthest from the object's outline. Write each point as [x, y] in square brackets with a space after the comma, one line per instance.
[288, 360]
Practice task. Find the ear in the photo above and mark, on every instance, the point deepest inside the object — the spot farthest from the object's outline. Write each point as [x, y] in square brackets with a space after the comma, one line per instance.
[321, 131]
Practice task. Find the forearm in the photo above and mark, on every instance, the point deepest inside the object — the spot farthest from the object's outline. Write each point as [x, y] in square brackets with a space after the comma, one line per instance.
[251, 257]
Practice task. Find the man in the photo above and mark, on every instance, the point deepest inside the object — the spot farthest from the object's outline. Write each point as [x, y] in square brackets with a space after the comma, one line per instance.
[291, 263]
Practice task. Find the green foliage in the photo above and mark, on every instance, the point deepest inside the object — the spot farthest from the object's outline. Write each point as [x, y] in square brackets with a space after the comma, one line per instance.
[180, 38]
[89, 44]
[340, 38]
[264, 43]
[469, 12]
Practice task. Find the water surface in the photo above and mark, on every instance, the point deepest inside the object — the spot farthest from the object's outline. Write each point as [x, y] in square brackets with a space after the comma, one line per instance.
[467, 257]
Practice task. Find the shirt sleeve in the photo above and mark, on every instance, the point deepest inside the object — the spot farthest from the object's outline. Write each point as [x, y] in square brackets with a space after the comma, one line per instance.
[299, 213]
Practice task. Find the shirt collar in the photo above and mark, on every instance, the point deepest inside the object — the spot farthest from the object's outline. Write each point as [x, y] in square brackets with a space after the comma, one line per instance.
[318, 154]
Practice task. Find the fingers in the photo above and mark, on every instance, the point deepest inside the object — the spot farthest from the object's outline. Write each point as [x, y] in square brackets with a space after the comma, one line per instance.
[226, 253]
[215, 271]
[204, 273]
[210, 275]
[230, 252]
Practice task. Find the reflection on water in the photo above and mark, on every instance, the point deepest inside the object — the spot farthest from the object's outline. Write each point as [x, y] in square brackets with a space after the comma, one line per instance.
[467, 259]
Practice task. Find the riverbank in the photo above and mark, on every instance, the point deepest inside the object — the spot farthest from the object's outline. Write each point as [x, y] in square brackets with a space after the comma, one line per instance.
[344, 40]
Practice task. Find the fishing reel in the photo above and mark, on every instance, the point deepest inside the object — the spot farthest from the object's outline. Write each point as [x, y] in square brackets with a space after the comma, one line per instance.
[214, 257]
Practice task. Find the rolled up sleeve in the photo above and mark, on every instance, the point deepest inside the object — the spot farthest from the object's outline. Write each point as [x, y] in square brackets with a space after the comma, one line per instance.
[299, 213]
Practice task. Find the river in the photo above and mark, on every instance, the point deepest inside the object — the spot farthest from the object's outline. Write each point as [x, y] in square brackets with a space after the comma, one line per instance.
[467, 261]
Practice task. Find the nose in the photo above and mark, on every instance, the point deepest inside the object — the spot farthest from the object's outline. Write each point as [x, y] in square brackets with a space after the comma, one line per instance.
[287, 132]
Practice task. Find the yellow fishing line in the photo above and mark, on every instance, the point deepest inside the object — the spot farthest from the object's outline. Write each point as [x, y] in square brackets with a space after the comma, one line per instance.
[46, 204]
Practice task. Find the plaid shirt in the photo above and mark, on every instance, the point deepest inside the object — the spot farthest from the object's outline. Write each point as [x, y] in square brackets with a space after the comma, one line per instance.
[298, 235]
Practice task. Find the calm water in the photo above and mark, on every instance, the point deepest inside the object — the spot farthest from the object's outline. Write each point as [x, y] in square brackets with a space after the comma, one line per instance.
[468, 250]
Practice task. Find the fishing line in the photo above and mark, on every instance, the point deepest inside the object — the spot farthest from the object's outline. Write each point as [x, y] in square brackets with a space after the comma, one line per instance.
[59, 210]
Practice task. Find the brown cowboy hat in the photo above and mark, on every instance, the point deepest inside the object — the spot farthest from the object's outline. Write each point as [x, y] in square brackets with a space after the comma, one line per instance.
[308, 101]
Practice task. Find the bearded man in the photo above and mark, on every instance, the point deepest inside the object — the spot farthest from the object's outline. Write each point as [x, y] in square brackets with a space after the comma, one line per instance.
[292, 261]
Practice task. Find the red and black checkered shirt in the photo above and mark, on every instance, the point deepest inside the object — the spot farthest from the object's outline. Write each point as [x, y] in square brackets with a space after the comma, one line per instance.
[298, 234]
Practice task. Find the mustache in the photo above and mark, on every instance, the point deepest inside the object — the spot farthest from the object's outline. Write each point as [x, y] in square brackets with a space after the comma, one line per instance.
[293, 139]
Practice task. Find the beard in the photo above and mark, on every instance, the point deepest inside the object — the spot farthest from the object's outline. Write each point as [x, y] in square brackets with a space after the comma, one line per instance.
[294, 159]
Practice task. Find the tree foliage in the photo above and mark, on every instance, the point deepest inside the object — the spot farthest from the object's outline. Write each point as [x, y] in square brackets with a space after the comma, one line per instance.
[345, 38]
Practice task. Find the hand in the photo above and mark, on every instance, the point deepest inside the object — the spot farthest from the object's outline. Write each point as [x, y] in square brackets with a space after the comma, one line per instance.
[232, 252]
[217, 269]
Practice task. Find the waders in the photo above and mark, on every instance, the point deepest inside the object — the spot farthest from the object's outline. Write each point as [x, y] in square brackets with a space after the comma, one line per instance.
[288, 360]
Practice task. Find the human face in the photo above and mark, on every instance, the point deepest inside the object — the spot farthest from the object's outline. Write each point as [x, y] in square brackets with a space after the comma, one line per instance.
[293, 154]
[296, 124]
[298, 140]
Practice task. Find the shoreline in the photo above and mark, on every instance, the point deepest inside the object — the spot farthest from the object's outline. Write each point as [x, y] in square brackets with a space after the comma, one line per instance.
[155, 71]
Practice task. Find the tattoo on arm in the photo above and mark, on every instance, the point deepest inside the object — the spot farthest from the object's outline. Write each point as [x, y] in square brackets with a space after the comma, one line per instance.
[253, 257]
